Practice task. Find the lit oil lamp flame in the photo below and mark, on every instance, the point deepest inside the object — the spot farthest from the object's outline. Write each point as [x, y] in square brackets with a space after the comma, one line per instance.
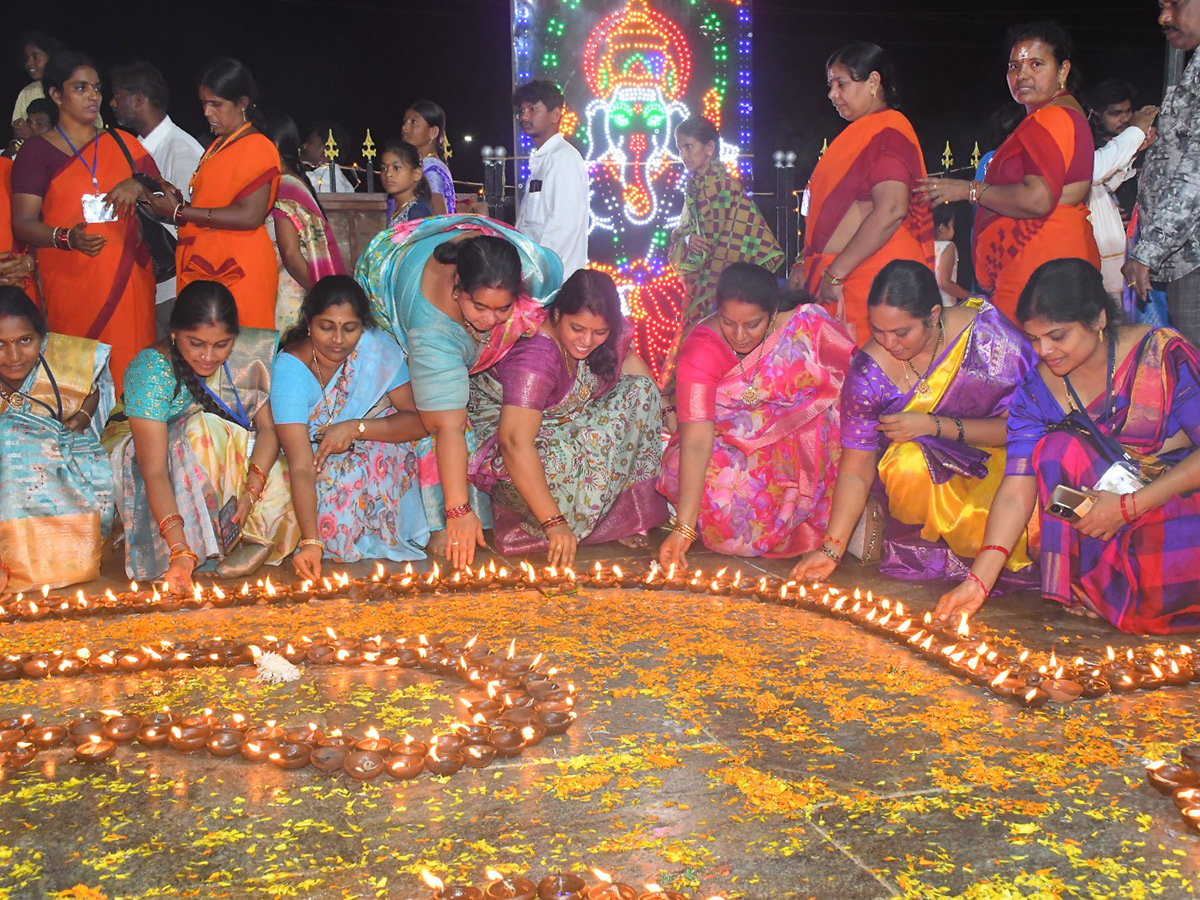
[653, 888]
[512, 648]
[176, 732]
[963, 629]
[372, 734]
[671, 571]
[432, 880]
[1157, 672]
[493, 875]
[45, 591]
[527, 732]
[617, 573]
[601, 875]
[1001, 678]
[570, 573]
[332, 634]
[1110, 653]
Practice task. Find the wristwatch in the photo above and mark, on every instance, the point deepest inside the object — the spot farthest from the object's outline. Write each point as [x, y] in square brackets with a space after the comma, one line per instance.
[362, 426]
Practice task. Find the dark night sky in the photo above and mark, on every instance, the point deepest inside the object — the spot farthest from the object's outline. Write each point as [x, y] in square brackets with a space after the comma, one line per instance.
[362, 61]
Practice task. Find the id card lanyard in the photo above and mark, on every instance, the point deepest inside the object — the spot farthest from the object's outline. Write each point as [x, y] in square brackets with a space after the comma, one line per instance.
[95, 156]
[240, 415]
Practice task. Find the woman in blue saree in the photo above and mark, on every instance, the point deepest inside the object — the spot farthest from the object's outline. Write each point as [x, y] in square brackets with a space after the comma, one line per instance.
[56, 492]
[455, 291]
[345, 416]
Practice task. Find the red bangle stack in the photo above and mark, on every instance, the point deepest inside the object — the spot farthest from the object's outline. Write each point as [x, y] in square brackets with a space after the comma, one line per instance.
[1007, 553]
[457, 512]
[1126, 514]
[971, 576]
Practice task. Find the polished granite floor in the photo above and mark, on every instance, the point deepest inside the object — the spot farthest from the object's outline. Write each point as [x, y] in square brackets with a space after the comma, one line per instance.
[723, 747]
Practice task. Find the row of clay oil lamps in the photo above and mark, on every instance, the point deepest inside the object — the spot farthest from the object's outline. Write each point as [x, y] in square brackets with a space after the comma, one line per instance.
[1181, 782]
[560, 886]
[1012, 676]
[522, 706]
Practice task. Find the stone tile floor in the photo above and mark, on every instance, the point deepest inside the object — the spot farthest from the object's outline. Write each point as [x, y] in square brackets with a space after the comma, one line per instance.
[724, 747]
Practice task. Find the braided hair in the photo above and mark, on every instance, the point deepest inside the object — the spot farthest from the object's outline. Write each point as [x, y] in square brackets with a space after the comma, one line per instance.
[201, 303]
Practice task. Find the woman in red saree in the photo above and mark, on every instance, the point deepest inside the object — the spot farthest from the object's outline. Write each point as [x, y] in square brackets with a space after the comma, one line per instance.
[74, 197]
[16, 268]
[222, 231]
[859, 216]
[1032, 205]
[752, 468]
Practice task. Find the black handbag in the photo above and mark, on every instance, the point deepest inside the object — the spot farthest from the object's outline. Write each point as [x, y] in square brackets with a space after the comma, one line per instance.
[159, 240]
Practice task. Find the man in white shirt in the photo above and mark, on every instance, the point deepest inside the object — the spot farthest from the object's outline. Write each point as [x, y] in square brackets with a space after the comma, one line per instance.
[140, 100]
[1121, 134]
[312, 154]
[555, 208]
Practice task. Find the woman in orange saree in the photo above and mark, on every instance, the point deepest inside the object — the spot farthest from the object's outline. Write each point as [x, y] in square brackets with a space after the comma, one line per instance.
[16, 268]
[859, 216]
[222, 232]
[73, 197]
[1032, 205]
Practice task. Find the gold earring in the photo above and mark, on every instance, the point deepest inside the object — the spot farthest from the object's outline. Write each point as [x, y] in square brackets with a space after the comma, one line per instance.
[874, 92]
[1101, 333]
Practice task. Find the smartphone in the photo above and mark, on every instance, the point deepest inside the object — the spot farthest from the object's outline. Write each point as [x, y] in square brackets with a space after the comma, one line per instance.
[231, 531]
[1068, 503]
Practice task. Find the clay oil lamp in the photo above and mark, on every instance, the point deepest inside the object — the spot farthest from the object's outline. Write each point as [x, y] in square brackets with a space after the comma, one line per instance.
[47, 737]
[533, 734]
[94, 750]
[1177, 672]
[154, 736]
[31, 611]
[1093, 684]
[654, 579]
[441, 761]
[363, 765]
[10, 668]
[82, 729]
[19, 756]
[441, 892]
[132, 660]
[1033, 697]
[1168, 777]
[104, 663]
[268, 732]
[607, 889]
[309, 734]
[187, 738]
[373, 742]
[507, 742]
[25, 722]
[257, 750]
[224, 742]
[1191, 817]
[329, 758]
[122, 729]
[1126, 683]
[1189, 755]
[489, 709]
[204, 721]
[37, 666]
[405, 766]
[654, 892]
[10, 737]
[321, 655]
[237, 722]
[514, 888]
[478, 733]
[1061, 689]
[1185, 797]
[289, 756]
[563, 886]
[478, 755]
[1006, 684]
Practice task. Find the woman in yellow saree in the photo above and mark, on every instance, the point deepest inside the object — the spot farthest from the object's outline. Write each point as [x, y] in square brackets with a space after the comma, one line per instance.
[931, 391]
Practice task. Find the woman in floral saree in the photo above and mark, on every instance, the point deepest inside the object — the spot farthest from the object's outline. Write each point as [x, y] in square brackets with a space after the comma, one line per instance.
[751, 469]
[923, 413]
[56, 494]
[570, 430]
[1113, 411]
[344, 411]
[195, 455]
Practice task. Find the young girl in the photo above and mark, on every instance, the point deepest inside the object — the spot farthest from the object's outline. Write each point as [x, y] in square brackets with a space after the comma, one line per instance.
[425, 128]
[405, 183]
[945, 253]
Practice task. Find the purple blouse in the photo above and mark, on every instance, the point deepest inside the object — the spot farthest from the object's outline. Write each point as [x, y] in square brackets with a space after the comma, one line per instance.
[534, 375]
[996, 360]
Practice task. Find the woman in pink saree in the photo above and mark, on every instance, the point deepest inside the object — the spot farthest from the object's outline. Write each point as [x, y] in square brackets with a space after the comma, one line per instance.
[752, 467]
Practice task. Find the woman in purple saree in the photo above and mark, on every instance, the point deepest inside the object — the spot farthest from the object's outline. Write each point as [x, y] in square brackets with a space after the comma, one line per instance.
[1112, 411]
[923, 412]
[569, 427]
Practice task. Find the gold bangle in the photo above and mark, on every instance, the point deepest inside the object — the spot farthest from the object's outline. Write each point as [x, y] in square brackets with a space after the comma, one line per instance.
[167, 522]
[685, 531]
[312, 542]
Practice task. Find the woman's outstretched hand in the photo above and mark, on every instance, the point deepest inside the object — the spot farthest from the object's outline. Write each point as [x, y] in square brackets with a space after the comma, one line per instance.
[966, 597]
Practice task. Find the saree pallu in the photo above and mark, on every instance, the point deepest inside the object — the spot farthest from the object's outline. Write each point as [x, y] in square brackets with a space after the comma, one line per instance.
[442, 356]
[599, 443]
[368, 499]
[243, 261]
[1144, 580]
[877, 148]
[1055, 144]
[717, 209]
[769, 485]
[207, 459]
[56, 487]
[7, 245]
[938, 491]
[108, 297]
[296, 204]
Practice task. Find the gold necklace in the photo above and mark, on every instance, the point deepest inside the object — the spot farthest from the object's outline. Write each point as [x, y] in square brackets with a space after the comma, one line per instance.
[750, 394]
[321, 381]
[923, 378]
